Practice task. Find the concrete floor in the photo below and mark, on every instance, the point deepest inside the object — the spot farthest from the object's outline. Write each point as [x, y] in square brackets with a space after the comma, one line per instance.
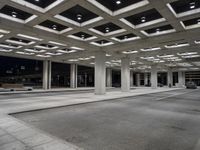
[161, 121]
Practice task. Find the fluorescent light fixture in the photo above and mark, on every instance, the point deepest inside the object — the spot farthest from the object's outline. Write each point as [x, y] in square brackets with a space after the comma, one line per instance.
[57, 43]
[34, 50]
[73, 60]
[158, 33]
[44, 56]
[165, 56]
[108, 55]
[1, 35]
[191, 56]
[108, 33]
[77, 48]
[187, 53]
[29, 37]
[126, 40]
[177, 45]
[24, 53]
[197, 42]
[53, 54]
[82, 39]
[66, 51]
[129, 52]
[9, 46]
[5, 50]
[101, 45]
[86, 58]
[184, 64]
[47, 48]
[52, 30]
[150, 49]
[4, 31]
[20, 43]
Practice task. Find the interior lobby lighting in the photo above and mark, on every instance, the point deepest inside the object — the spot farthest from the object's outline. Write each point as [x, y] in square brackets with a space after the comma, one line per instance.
[24, 53]
[157, 30]
[29, 37]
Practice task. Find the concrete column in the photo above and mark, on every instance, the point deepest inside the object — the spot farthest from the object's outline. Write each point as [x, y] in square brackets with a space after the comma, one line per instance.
[46, 74]
[73, 76]
[109, 77]
[180, 79]
[138, 79]
[145, 78]
[100, 73]
[125, 74]
[170, 77]
[49, 73]
[154, 77]
[131, 78]
[184, 78]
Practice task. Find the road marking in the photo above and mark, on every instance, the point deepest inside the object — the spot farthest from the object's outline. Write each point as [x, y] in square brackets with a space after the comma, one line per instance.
[158, 99]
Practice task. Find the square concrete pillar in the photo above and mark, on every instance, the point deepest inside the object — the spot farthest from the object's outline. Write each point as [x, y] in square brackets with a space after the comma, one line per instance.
[46, 75]
[131, 79]
[125, 74]
[109, 77]
[100, 73]
[138, 79]
[170, 77]
[154, 77]
[181, 79]
[146, 78]
[73, 76]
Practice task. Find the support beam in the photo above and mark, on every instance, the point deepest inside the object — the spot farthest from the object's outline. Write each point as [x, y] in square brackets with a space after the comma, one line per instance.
[46, 74]
[154, 77]
[109, 77]
[125, 74]
[73, 76]
[100, 73]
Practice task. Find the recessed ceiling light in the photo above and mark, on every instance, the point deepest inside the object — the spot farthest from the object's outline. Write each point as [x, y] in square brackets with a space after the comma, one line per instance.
[157, 30]
[14, 14]
[143, 19]
[118, 2]
[54, 27]
[82, 36]
[198, 21]
[107, 29]
[37, 0]
[192, 5]
[79, 17]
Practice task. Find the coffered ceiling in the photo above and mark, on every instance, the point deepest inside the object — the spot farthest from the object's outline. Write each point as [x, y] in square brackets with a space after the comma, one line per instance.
[151, 32]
